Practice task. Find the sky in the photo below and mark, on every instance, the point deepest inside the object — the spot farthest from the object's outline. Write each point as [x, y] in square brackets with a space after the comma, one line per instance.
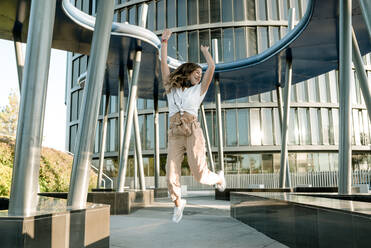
[55, 113]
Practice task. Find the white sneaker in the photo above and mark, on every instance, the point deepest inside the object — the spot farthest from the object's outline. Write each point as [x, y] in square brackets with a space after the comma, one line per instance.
[178, 211]
[221, 187]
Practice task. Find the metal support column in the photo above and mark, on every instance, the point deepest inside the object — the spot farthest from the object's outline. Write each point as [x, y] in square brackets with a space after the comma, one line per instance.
[207, 138]
[157, 142]
[131, 102]
[24, 187]
[138, 149]
[345, 72]
[218, 108]
[90, 106]
[285, 180]
[20, 62]
[121, 99]
[103, 142]
[366, 12]
[361, 74]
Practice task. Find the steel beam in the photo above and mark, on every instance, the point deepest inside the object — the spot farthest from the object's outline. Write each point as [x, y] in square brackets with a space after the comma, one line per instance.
[138, 149]
[208, 146]
[20, 62]
[361, 74]
[24, 187]
[103, 142]
[88, 119]
[345, 72]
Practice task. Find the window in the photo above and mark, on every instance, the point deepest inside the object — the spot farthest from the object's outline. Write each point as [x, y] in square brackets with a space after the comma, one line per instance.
[203, 11]
[216, 34]
[304, 126]
[315, 126]
[262, 9]
[160, 14]
[255, 130]
[193, 48]
[226, 10]
[250, 7]
[263, 38]
[252, 41]
[240, 40]
[243, 127]
[181, 13]
[182, 46]
[149, 132]
[162, 130]
[228, 45]
[170, 13]
[214, 11]
[205, 41]
[293, 131]
[151, 22]
[267, 126]
[133, 15]
[231, 131]
[192, 12]
[325, 126]
[273, 9]
[239, 10]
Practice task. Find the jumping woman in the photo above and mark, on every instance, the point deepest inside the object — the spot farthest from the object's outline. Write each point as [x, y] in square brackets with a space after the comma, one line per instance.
[185, 91]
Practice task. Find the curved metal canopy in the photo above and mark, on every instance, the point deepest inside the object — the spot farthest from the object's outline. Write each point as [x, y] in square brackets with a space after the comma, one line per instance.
[312, 45]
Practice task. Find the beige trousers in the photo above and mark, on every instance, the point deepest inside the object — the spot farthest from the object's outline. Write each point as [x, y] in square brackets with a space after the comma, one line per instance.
[194, 145]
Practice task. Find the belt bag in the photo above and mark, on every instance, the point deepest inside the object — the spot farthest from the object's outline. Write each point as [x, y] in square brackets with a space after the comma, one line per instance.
[182, 128]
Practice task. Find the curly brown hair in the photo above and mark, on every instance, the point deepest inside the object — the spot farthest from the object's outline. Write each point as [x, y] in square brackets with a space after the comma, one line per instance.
[179, 77]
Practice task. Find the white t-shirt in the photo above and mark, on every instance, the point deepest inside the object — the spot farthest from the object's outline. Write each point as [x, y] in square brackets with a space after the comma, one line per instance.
[187, 100]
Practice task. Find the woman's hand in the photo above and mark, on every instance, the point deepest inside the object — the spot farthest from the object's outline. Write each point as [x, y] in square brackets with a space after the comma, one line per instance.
[166, 34]
[204, 49]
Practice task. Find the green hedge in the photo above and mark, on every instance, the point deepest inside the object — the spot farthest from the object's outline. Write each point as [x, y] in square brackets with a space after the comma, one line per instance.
[55, 169]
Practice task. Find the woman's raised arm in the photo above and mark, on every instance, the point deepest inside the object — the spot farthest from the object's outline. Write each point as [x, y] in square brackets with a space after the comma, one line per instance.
[165, 72]
[208, 77]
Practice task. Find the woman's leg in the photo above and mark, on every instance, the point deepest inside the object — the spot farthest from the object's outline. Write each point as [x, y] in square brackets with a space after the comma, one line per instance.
[197, 158]
[175, 156]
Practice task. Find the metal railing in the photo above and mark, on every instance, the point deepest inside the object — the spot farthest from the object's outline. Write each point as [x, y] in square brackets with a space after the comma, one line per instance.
[270, 180]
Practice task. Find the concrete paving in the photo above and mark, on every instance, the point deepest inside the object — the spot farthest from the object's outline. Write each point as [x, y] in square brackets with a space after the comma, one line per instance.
[206, 223]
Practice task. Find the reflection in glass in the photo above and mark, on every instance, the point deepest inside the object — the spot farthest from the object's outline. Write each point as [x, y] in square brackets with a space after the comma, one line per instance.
[181, 13]
[267, 126]
[267, 163]
[262, 10]
[192, 12]
[255, 130]
[182, 46]
[226, 11]
[231, 132]
[273, 10]
[250, 7]
[228, 45]
[149, 132]
[203, 8]
[243, 127]
[263, 38]
[205, 41]
[239, 10]
[214, 11]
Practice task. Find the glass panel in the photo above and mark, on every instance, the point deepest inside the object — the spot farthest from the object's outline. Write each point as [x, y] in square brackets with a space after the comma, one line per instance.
[273, 10]
[265, 97]
[171, 46]
[356, 128]
[255, 130]
[205, 41]
[231, 131]
[324, 164]
[252, 41]
[304, 126]
[203, 10]
[149, 132]
[81, 92]
[254, 98]
[313, 91]
[366, 128]
[181, 13]
[113, 104]
[162, 103]
[83, 64]
[333, 87]
[170, 13]
[133, 15]
[315, 127]
[73, 132]
[293, 127]
[113, 135]
[149, 104]
[140, 103]
[193, 47]
[151, 21]
[74, 105]
[192, 12]
[240, 39]
[277, 127]
[262, 9]
[214, 11]
[216, 34]
[243, 127]
[275, 36]
[325, 126]
[160, 14]
[267, 126]
[142, 130]
[209, 122]
[263, 39]
[322, 88]
[226, 11]
[255, 161]
[228, 45]
[239, 10]
[302, 92]
[250, 7]
[162, 130]
[267, 163]
[335, 121]
[182, 46]
[75, 72]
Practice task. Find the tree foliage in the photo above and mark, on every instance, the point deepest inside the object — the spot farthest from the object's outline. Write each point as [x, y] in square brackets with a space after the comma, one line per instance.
[9, 116]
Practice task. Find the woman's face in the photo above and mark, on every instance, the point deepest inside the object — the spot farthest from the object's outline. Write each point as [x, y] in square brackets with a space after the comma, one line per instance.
[195, 76]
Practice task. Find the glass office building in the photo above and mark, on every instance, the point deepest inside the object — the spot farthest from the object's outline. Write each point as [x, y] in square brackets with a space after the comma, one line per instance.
[251, 126]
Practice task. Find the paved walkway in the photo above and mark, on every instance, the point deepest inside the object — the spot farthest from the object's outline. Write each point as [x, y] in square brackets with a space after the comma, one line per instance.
[206, 223]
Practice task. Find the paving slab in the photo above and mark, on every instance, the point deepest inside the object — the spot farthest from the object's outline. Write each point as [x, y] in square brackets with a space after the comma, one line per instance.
[206, 223]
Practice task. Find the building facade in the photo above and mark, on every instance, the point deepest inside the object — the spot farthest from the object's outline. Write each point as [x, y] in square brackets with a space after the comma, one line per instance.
[251, 129]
